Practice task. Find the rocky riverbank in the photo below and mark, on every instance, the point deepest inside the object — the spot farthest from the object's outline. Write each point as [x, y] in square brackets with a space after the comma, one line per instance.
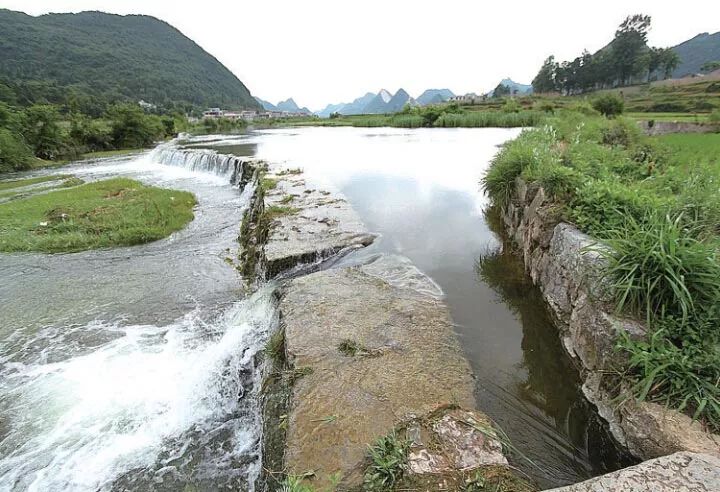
[360, 352]
[566, 266]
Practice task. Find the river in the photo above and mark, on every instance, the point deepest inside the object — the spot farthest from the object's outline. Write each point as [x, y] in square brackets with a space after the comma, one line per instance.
[132, 368]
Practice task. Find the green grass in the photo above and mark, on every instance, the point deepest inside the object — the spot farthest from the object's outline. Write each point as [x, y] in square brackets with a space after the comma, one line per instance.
[673, 117]
[388, 462]
[690, 149]
[656, 203]
[18, 183]
[274, 211]
[115, 212]
[110, 153]
[424, 117]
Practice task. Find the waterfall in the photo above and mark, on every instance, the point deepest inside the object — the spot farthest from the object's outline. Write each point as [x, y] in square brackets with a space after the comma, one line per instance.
[204, 161]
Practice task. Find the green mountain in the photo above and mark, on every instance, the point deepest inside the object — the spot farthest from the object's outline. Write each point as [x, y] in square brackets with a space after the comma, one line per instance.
[70, 58]
[695, 52]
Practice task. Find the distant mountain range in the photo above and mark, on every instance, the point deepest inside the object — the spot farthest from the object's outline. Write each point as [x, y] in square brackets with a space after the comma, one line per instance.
[515, 87]
[695, 52]
[383, 102]
[288, 105]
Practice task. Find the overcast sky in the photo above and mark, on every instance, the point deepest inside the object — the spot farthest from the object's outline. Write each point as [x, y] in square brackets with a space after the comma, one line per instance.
[336, 50]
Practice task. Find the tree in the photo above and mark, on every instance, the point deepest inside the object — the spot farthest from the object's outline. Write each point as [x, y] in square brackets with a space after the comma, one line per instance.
[655, 57]
[544, 81]
[629, 47]
[710, 66]
[669, 62]
[41, 131]
[501, 91]
[132, 128]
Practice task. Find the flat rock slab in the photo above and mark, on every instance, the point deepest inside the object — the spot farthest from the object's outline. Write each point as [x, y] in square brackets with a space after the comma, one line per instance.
[321, 224]
[679, 472]
[408, 363]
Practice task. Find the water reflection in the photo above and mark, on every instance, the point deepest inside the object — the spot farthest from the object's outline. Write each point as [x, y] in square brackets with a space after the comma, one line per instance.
[419, 190]
[546, 379]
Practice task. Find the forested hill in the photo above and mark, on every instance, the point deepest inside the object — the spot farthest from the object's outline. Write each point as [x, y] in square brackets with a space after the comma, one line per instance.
[93, 58]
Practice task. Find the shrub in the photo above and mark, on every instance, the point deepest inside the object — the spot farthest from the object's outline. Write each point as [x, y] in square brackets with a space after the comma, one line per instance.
[714, 117]
[511, 106]
[609, 104]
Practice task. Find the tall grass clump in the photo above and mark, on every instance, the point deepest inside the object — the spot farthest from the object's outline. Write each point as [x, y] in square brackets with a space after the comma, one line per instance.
[659, 270]
[655, 205]
[487, 119]
[388, 462]
[533, 148]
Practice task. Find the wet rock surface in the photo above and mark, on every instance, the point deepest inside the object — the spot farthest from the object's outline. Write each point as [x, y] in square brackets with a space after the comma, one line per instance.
[566, 265]
[369, 350]
[410, 364]
[679, 472]
[310, 225]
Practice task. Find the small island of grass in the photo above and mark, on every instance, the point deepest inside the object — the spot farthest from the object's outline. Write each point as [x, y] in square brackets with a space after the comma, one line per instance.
[114, 212]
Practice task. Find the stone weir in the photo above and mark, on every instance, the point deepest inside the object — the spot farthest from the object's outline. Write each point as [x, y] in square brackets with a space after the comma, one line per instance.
[361, 352]
[567, 267]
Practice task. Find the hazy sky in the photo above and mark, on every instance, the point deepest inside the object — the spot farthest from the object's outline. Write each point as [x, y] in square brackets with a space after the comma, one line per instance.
[321, 51]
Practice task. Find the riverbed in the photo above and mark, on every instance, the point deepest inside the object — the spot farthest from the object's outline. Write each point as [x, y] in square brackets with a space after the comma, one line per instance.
[133, 367]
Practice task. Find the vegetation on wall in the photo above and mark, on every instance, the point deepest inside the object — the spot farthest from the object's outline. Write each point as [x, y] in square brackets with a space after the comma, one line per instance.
[655, 202]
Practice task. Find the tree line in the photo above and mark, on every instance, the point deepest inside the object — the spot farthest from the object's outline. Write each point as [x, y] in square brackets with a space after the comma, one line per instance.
[626, 60]
[49, 132]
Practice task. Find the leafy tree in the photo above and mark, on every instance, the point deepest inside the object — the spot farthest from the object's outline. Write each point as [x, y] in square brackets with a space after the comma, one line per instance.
[132, 128]
[669, 62]
[41, 131]
[544, 81]
[14, 154]
[629, 46]
[91, 135]
[710, 66]
[501, 91]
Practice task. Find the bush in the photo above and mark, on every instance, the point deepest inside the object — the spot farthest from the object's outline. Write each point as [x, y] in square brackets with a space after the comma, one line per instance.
[132, 128]
[609, 104]
[14, 154]
[714, 117]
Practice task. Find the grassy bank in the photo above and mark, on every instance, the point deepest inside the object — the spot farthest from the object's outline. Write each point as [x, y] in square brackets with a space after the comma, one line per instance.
[432, 117]
[656, 202]
[115, 212]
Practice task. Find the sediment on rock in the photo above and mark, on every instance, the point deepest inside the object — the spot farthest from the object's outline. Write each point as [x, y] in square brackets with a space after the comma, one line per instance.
[566, 265]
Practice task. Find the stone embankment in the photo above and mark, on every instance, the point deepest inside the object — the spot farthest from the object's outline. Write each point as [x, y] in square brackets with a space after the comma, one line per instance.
[656, 128]
[566, 265]
[367, 351]
[679, 472]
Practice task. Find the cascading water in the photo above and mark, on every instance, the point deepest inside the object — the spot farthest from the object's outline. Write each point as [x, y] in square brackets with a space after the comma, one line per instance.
[200, 160]
[135, 368]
